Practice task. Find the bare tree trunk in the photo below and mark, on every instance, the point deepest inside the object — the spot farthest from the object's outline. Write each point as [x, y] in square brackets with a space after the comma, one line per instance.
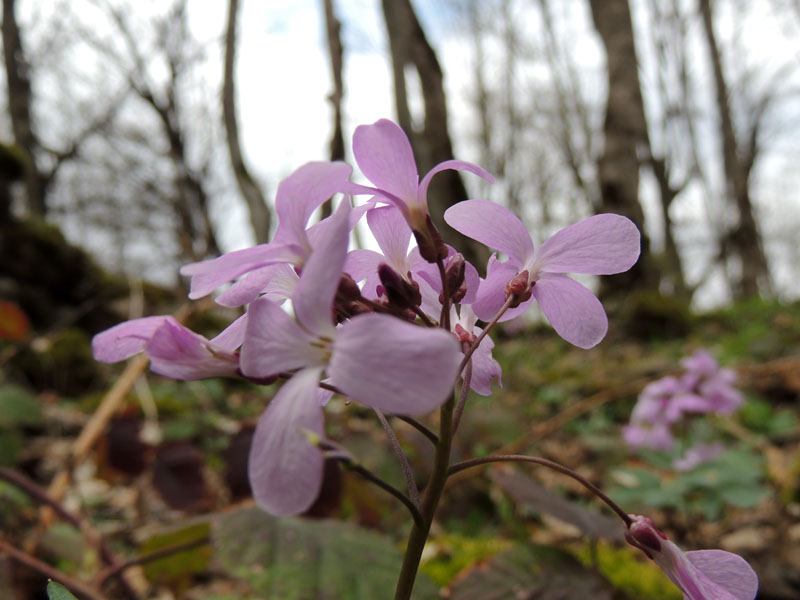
[408, 45]
[332, 28]
[745, 240]
[625, 132]
[19, 108]
[256, 203]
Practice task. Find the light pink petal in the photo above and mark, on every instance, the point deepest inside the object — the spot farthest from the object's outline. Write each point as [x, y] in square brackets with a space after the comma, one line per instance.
[285, 469]
[249, 287]
[313, 297]
[600, 245]
[232, 336]
[384, 155]
[492, 291]
[208, 275]
[180, 353]
[362, 263]
[485, 369]
[274, 342]
[574, 312]
[392, 234]
[394, 366]
[455, 165]
[301, 193]
[727, 570]
[125, 339]
[493, 225]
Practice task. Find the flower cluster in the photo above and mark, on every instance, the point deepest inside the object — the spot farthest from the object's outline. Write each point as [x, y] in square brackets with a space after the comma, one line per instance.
[703, 388]
[394, 342]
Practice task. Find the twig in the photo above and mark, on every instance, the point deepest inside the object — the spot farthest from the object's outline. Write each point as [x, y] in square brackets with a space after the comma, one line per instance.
[48, 571]
[462, 398]
[468, 354]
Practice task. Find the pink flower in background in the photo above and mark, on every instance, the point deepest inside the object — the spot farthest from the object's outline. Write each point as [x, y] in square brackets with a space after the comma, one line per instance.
[697, 455]
[700, 574]
[600, 245]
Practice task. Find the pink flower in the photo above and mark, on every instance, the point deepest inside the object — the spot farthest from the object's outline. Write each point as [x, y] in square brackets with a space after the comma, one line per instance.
[174, 350]
[697, 455]
[600, 245]
[378, 360]
[384, 155]
[701, 574]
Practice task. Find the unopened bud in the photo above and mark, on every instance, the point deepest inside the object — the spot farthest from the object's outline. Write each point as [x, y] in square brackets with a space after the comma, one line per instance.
[401, 293]
[643, 534]
[348, 290]
[455, 283]
[430, 242]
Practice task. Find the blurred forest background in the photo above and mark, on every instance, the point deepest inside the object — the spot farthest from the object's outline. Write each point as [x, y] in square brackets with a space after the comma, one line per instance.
[138, 136]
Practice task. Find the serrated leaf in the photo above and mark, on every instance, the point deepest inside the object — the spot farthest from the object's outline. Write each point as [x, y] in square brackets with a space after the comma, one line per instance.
[297, 559]
[56, 591]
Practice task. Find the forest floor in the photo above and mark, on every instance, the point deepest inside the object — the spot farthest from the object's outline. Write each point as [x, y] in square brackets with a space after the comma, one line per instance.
[158, 468]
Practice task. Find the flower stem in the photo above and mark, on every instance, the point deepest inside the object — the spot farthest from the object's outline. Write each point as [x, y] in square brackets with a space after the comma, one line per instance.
[468, 354]
[413, 492]
[430, 500]
[474, 462]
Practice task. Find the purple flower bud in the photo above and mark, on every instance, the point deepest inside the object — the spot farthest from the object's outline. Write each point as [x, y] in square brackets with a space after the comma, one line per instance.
[430, 242]
[402, 294]
[455, 280]
[520, 288]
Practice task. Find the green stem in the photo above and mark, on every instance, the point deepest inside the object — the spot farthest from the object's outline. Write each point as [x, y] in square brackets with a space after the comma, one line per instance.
[430, 500]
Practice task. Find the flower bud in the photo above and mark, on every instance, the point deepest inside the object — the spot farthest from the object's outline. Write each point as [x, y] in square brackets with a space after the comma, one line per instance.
[401, 293]
[455, 282]
[430, 242]
[519, 288]
[348, 290]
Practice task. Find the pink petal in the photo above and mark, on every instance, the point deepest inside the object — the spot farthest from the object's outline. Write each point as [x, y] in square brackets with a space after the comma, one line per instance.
[313, 297]
[285, 469]
[492, 291]
[392, 365]
[275, 343]
[248, 288]
[180, 353]
[125, 339]
[208, 275]
[232, 336]
[384, 155]
[392, 234]
[574, 312]
[727, 570]
[493, 225]
[455, 165]
[362, 263]
[600, 245]
[484, 368]
[301, 193]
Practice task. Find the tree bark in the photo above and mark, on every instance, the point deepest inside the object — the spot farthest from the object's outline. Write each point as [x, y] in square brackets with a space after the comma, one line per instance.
[409, 45]
[256, 203]
[745, 239]
[19, 108]
[625, 133]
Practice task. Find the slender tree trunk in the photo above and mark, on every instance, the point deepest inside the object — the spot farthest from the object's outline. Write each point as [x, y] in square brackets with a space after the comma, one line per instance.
[332, 29]
[18, 88]
[256, 203]
[408, 45]
[745, 240]
[625, 132]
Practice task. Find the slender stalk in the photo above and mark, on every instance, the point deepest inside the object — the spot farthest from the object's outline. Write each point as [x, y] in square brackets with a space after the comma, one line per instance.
[474, 462]
[433, 492]
[445, 316]
[413, 492]
[423, 317]
[419, 427]
[468, 354]
[462, 398]
[146, 558]
[419, 520]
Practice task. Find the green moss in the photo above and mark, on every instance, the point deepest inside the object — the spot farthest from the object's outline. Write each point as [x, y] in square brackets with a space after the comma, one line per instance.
[454, 553]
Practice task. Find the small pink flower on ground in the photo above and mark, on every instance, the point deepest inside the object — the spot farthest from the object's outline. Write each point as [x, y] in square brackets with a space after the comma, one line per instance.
[700, 574]
[697, 455]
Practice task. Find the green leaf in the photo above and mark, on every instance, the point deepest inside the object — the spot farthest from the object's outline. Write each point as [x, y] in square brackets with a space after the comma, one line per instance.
[56, 591]
[294, 559]
[18, 407]
[10, 447]
[178, 568]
